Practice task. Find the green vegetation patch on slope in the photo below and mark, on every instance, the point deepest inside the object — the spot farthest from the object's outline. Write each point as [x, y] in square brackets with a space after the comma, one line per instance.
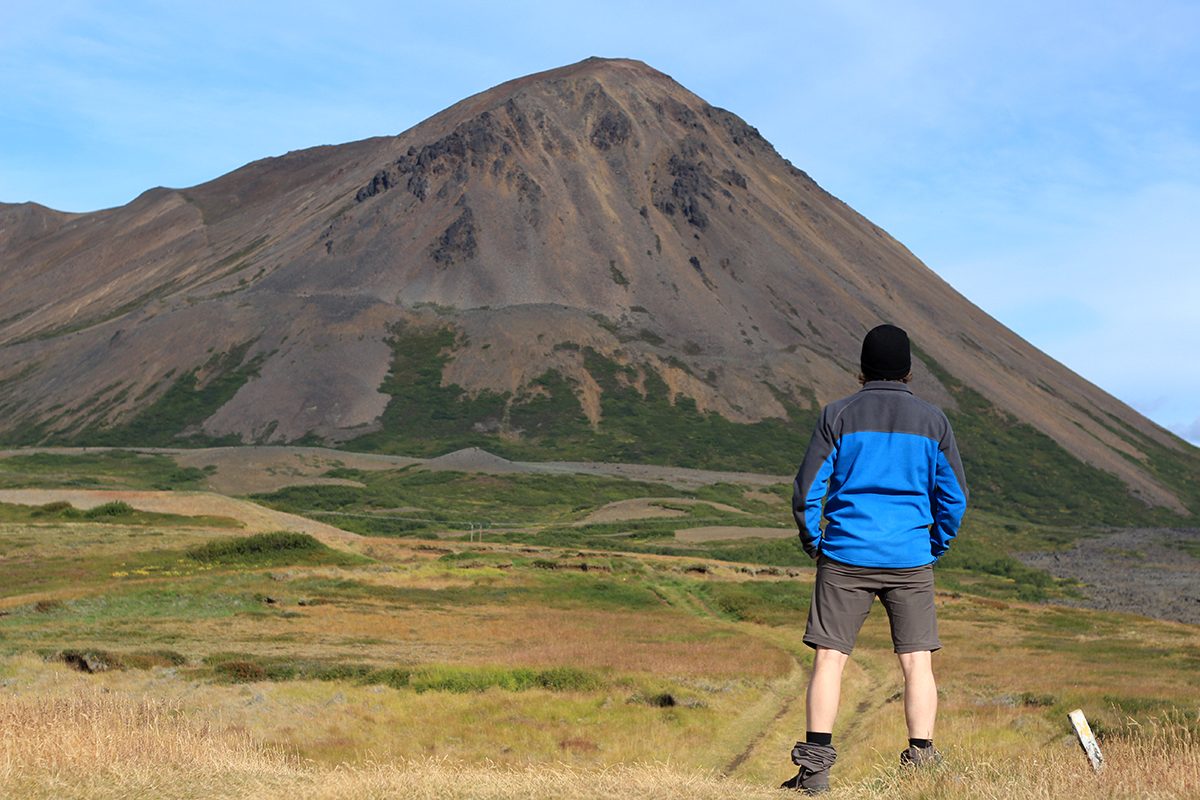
[1177, 468]
[424, 417]
[546, 421]
[1014, 469]
[174, 419]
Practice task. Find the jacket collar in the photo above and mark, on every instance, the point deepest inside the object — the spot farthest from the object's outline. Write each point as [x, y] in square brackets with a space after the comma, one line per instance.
[887, 386]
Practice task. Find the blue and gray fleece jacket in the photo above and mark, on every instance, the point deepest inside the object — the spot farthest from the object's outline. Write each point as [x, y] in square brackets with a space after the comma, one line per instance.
[884, 464]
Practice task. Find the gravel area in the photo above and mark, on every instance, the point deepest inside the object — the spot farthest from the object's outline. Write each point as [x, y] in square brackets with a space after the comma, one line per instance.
[1154, 572]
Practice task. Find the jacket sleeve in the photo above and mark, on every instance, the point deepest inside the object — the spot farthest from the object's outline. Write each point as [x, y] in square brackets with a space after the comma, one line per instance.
[812, 480]
[949, 495]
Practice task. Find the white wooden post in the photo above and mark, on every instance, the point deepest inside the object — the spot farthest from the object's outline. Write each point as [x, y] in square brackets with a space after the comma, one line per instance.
[1086, 739]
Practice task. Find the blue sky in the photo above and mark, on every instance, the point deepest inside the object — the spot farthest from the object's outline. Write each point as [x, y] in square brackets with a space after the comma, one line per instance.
[1042, 157]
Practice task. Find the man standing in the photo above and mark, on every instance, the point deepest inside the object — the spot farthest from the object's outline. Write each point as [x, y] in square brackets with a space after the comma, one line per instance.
[883, 470]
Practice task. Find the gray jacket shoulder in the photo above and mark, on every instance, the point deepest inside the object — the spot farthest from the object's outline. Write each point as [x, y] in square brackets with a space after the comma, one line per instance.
[887, 411]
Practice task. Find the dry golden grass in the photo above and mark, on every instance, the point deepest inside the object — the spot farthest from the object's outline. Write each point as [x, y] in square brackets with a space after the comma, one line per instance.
[1158, 764]
[334, 722]
[92, 744]
[103, 745]
[96, 745]
[662, 642]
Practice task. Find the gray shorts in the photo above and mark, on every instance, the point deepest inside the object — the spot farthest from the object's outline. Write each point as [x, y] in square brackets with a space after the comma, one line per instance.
[842, 599]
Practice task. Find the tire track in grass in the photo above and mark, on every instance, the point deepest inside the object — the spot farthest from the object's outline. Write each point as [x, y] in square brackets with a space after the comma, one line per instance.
[791, 689]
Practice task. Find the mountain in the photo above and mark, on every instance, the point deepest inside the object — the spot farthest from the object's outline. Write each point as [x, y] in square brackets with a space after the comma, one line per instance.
[590, 262]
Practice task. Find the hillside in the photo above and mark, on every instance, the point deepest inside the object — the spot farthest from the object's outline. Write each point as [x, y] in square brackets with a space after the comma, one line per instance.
[587, 263]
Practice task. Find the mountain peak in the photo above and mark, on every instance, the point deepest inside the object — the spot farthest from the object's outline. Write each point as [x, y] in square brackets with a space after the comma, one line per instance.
[592, 66]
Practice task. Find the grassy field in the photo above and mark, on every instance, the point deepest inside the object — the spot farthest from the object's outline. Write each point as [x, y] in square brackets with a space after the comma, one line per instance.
[107, 469]
[554, 658]
[552, 511]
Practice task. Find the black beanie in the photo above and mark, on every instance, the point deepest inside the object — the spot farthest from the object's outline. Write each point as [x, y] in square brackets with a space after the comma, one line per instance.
[885, 353]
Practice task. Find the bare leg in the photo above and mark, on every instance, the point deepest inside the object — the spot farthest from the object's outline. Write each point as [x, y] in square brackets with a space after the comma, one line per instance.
[920, 693]
[825, 689]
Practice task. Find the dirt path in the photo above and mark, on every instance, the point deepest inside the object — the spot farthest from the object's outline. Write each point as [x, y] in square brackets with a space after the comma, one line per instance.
[781, 697]
[1154, 572]
[254, 517]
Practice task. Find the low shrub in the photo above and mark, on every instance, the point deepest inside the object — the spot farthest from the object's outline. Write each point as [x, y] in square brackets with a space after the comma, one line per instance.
[247, 668]
[518, 679]
[396, 678]
[115, 508]
[241, 671]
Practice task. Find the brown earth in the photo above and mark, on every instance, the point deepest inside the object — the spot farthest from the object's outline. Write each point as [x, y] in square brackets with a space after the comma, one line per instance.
[649, 508]
[600, 205]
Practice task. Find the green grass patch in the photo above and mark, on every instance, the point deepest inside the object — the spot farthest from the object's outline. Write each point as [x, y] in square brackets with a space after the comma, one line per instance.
[455, 499]
[774, 602]
[107, 469]
[246, 668]
[114, 513]
[546, 421]
[1015, 469]
[175, 417]
[124, 617]
[1189, 546]
[464, 680]
[556, 589]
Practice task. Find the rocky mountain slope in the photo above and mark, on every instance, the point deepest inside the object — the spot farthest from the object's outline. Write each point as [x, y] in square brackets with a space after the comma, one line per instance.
[586, 262]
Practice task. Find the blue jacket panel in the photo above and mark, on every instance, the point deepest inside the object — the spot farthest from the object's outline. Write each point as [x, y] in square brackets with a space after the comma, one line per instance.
[883, 469]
